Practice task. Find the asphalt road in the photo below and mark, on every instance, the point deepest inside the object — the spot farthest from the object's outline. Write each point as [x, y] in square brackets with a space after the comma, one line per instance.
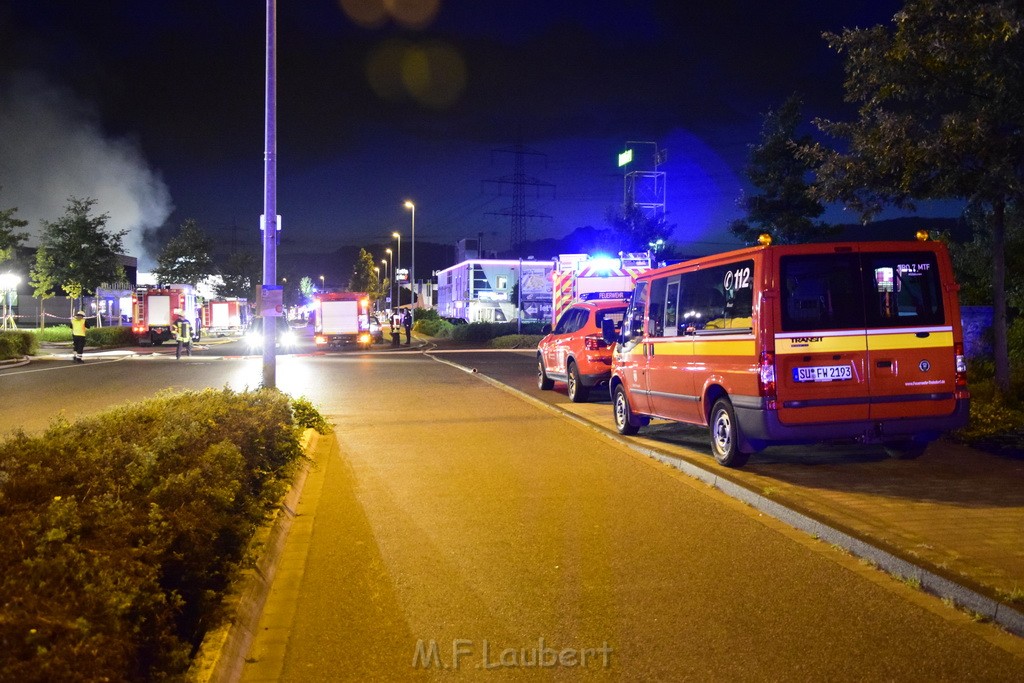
[448, 513]
[448, 517]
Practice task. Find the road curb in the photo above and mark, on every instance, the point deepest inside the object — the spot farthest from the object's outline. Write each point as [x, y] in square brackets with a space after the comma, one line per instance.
[964, 597]
[222, 653]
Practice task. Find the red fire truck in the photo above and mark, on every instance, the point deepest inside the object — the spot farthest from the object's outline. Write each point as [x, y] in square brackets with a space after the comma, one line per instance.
[225, 316]
[581, 277]
[341, 318]
[154, 310]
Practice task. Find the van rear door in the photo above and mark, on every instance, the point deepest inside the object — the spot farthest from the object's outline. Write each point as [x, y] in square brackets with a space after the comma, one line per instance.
[911, 362]
[821, 347]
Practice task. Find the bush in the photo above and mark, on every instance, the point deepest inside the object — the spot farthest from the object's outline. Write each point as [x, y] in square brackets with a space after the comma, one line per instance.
[435, 328]
[123, 531]
[17, 343]
[516, 341]
[110, 337]
[57, 333]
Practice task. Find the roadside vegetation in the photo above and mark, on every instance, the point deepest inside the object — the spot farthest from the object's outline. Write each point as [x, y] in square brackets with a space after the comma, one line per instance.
[123, 531]
[20, 343]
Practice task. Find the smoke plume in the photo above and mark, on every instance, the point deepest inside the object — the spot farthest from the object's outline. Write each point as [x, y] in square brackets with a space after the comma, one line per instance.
[52, 147]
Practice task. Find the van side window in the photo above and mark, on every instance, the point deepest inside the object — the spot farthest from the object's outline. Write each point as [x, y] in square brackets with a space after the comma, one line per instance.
[820, 292]
[716, 299]
[903, 290]
[655, 316]
[671, 300]
[633, 324]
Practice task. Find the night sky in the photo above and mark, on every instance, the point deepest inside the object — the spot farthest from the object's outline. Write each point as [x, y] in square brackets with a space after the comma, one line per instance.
[155, 108]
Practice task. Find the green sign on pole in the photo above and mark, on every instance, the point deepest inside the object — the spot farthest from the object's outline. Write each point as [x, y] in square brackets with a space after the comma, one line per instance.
[625, 157]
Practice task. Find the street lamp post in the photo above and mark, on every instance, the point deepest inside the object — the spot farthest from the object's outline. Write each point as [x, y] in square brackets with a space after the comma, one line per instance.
[391, 277]
[322, 285]
[398, 264]
[387, 276]
[412, 270]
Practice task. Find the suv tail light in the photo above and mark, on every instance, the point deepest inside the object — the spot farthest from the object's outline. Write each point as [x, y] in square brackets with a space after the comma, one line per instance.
[766, 380]
[594, 342]
[961, 371]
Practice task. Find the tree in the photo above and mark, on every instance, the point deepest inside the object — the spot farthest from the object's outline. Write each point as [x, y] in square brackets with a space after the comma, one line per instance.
[80, 253]
[9, 239]
[241, 274]
[186, 258]
[42, 281]
[941, 116]
[366, 276]
[785, 208]
[635, 230]
[307, 288]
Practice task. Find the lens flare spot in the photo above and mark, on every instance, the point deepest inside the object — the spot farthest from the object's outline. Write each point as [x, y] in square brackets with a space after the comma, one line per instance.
[365, 13]
[413, 13]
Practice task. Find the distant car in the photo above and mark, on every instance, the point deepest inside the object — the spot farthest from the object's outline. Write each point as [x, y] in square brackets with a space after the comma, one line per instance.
[376, 330]
[575, 352]
[286, 338]
[456, 321]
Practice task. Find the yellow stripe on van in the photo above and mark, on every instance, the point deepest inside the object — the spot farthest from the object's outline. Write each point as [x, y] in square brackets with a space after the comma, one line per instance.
[672, 348]
[908, 340]
[723, 347]
[821, 344]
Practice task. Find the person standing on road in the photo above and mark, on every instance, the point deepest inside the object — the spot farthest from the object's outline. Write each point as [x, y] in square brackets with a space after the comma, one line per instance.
[396, 329]
[183, 333]
[78, 336]
[407, 324]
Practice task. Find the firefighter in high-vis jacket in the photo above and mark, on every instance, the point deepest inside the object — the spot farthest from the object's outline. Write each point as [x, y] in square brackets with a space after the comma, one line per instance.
[78, 336]
[183, 333]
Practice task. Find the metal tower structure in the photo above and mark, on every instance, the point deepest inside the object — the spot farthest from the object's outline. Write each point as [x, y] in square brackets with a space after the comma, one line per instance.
[519, 182]
[644, 185]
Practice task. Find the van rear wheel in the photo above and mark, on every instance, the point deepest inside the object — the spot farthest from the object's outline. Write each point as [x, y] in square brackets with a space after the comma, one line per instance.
[625, 423]
[725, 435]
[905, 450]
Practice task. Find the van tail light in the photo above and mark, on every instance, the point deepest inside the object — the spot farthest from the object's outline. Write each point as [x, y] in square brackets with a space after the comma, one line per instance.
[319, 340]
[594, 342]
[766, 380]
[961, 371]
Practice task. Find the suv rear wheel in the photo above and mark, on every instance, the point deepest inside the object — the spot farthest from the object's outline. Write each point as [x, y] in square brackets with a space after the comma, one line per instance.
[544, 383]
[577, 392]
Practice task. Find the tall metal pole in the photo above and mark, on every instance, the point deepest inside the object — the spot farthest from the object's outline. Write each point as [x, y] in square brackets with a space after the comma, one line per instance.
[270, 197]
[412, 270]
[398, 266]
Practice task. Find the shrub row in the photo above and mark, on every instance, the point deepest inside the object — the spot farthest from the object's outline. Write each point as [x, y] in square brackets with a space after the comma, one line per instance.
[17, 343]
[123, 531]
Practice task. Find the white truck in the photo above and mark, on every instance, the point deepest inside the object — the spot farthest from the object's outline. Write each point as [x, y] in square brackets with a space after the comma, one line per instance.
[342, 318]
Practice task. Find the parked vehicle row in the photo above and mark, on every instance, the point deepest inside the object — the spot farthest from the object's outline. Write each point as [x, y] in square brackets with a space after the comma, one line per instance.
[778, 345]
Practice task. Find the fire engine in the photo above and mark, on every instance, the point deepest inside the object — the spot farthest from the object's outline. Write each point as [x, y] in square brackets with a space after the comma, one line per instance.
[154, 310]
[341, 318]
[225, 316]
[581, 277]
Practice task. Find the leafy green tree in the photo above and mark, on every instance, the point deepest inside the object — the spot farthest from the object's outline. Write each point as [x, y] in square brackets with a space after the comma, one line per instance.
[635, 230]
[307, 288]
[43, 282]
[941, 116]
[366, 276]
[186, 258]
[241, 274]
[973, 260]
[784, 208]
[10, 240]
[80, 253]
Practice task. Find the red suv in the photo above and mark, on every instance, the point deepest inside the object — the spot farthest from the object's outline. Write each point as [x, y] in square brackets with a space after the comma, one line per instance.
[575, 352]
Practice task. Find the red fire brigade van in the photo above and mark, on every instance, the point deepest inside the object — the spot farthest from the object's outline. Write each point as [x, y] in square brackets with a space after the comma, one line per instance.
[797, 344]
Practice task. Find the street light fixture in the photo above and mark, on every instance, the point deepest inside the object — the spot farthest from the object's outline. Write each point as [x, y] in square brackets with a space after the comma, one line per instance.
[412, 270]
